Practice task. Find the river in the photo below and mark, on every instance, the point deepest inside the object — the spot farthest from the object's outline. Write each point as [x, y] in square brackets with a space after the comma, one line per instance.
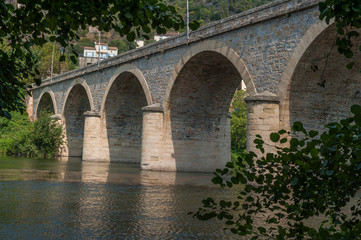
[55, 199]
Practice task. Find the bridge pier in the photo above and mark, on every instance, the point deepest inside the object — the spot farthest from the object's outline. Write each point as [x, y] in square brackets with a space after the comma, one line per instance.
[152, 139]
[263, 119]
[93, 145]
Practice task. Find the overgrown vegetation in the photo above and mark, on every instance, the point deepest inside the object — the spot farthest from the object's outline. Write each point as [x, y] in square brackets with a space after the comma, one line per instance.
[311, 175]
[238, 124]
[347, 16]
[207, 11]
[19, 136]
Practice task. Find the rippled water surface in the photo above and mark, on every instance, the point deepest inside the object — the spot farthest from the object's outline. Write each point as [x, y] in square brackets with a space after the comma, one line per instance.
[53, 199]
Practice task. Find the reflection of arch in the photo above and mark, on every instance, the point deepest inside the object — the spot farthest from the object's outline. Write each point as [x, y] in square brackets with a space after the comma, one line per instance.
[46, 91]
[212, 46]
[285, 84]
[137, 73]
[83, 83]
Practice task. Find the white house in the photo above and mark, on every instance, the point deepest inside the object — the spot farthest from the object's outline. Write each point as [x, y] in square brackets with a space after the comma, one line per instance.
[140, 43]
[103, 49]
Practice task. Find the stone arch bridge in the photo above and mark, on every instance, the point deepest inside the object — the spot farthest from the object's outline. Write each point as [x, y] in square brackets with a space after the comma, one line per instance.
[165, 105]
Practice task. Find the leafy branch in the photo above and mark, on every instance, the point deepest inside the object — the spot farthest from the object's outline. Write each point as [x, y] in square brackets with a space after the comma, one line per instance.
[316, 175]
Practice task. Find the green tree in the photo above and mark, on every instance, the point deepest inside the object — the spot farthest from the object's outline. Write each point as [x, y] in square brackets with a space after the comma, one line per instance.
[120, 44]
[239, 121]
[19, 136]
[347, 16]
[309, 175]
[37, 22]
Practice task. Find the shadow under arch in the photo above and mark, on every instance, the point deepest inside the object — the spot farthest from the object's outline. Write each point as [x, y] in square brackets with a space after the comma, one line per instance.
[78, 100]
[122, 117]
[46, 103]
[316, 87]
[196, 106]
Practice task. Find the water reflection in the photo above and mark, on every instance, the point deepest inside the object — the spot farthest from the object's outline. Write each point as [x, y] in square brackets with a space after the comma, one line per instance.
[55, 199]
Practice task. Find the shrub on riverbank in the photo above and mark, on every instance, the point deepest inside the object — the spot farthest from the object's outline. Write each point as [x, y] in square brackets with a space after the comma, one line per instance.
[19, 136]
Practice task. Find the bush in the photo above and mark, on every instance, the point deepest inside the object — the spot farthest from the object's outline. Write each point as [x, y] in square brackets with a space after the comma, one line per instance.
[308, 176]
[19, 136]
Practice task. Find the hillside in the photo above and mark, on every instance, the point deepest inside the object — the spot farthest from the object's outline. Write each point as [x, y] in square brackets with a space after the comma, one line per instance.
[207, 11]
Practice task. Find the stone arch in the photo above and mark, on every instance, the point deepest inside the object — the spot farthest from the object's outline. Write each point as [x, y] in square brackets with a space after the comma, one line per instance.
[303, 94]
[77, 101]
[285, 84]
[137, 73]
[121, 114]
[218, 47]
[47, 96]
[82, 82]
[196, 105]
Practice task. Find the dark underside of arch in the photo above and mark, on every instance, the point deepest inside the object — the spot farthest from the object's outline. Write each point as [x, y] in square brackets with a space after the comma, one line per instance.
[124, 118]
[322, 88]
[199, 103]
[76, 105]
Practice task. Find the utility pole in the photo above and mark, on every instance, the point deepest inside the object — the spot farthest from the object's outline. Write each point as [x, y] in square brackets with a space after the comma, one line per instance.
[99, 49]
[187, 19]
[52, 63]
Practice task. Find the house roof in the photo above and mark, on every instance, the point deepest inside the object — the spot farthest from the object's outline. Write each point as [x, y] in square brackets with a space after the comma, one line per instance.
[112, 48]
[89, 48]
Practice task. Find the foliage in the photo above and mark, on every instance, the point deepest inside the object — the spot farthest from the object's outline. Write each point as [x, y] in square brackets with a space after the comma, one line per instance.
[122, 45]
[347, 16]
[239, 121]
[47, 135]
[207, 11]
[37, 22]
[19, 136]
[310, 175]
[45, 55]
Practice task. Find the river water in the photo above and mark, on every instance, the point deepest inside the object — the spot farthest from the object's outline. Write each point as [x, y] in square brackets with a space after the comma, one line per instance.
[55, 199]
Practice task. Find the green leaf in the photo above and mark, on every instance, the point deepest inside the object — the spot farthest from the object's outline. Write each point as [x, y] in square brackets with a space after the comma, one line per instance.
[313, 133]
[356, 109]
[298, 127]
[274, 137]
[294, 142]
[282, 131]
